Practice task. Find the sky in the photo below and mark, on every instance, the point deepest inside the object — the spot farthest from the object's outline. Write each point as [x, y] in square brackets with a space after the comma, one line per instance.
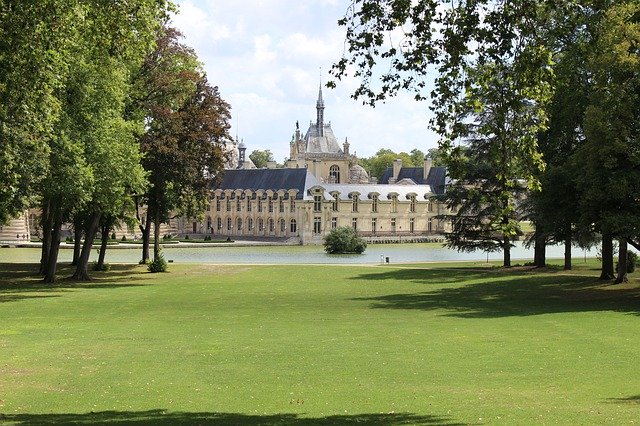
[268, 59]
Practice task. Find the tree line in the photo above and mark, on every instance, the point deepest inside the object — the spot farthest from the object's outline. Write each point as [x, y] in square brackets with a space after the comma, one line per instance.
[537, 104]
[104, 111]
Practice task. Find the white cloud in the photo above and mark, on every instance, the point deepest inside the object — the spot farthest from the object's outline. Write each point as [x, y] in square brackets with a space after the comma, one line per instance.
[266, 55]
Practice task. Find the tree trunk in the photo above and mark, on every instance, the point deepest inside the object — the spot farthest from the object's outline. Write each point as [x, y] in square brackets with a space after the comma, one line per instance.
[47, 224]
[146, 234]
[77, 237]
[622, 262]
[103, 246]
[82, 273]
[156, 236]
[567, 251]
[540, 251]
[607, 257]
[52, 257]
[506, 249]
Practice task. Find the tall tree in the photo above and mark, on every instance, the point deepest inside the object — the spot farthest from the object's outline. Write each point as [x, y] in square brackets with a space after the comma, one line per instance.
[260, 157]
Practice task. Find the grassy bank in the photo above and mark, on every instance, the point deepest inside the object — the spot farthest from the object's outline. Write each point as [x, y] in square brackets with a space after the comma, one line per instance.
[315, 345]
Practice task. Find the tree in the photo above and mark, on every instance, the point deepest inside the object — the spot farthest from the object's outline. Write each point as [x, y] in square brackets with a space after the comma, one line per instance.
[344, 239]
[261, 158]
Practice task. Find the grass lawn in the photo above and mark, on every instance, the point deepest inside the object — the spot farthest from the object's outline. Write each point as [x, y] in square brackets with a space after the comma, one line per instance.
[317, 345]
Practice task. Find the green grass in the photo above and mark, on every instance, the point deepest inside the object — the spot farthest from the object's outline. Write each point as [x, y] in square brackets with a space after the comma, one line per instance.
[317, 345]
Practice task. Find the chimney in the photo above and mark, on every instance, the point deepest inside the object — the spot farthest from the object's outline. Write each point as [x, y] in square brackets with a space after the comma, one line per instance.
[397, 165]
[426, 167]
[271, 164]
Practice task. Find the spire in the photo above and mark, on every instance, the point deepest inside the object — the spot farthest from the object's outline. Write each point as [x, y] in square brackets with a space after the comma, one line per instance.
[320, 112]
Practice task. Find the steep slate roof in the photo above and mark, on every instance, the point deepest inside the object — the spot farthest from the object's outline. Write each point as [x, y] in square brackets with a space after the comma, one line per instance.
[326, 144]
[436, 178]
[267, 179]
[384, 191]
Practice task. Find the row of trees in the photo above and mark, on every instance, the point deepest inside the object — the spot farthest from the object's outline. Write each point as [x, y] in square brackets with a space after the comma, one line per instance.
[103, 111]
[384, 158]
[537, 104]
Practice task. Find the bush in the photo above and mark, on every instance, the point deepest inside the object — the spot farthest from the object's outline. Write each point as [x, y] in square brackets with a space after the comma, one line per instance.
[344, 240]
[105, 267]
[167, 237]
[186, 237]
[113, 235]
[207, 238]
[124, 238]
[158, 264]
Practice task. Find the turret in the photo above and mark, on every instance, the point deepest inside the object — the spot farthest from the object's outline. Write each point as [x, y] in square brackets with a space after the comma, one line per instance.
[320, 113]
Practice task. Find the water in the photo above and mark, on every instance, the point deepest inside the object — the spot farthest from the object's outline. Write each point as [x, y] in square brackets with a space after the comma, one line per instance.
[227, 254]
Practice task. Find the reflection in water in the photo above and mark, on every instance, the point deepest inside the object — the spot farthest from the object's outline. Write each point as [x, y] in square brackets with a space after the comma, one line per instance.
[375, 253]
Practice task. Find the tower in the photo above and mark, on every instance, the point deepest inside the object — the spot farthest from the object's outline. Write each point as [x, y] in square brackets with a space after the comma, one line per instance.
[320, 113]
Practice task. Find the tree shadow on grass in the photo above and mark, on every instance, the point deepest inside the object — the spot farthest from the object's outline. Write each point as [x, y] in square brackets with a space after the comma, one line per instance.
[634, 399]
[503, 293]
[19, 281]
[162, 417]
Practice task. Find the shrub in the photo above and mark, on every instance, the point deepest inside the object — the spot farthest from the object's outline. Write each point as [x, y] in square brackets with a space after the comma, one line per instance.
[207, 238]
[158, 264]
[167, 237]
[344, 240]
[113, 235]
[186, 237]
[124, 238]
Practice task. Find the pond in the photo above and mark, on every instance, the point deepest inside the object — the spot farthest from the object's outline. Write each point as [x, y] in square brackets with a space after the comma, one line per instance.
[228, 254]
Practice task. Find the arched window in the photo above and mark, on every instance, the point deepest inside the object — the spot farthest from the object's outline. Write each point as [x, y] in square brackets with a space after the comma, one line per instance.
[228, 224]
[239, 224]
[208, 223]
[283, 225]
[294, 226]
[334, 174]
[219, 224]
[250, 224]
[272, 225]
[355, 200]
[260, 225]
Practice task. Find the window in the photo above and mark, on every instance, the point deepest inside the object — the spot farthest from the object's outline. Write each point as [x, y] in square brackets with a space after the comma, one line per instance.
[228, 224]
[355, 203]
[334, 205]
[228, 204]
[272, 226]
[281, 207]
[239, 224]
[374, 204]
[412, 205]
[238, 206]
[430, 206]
[208, 223]
[248, 204]
[354, 223]
[334, 174]
[260, 225]
[283, 225]
[393, 224]
[219, 224]
[374, 225]
[430, 225]
[317, 203]
[292, 207]
[259, 205]
[270, 204]
[412, 225]
[394, 204]
[250, 224]
[334, 222]
[294, 226]
[317, 225]
[217, 204]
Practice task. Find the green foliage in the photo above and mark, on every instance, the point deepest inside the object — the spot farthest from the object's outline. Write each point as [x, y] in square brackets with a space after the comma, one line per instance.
[261, 158]
[344, 239]
[124, 238]
[158, 264]
[632, 260]
[104, 267]
[113, 235]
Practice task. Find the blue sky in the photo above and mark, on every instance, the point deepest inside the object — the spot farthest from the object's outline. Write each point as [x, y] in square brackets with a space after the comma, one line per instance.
[267, 58]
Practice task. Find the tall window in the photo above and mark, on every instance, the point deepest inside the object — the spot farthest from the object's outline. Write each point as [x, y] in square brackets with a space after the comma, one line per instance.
[317, 203]
[217, 204]
[430, 225]
[354, 223]
[228, 224]
[317, 225]
[219, 224]
[283, 225]
[412, 205]
[334, 222]
[355, 200]
[393, 224]
[239, 224]
[281, 209]
[250, 224]
[292, 206]
[294, 226]
[334, 173]
[260, 225]
[238, 205]
[430, 206]
[208, 223]
[228, 204]
[394, 204]
[412, 225]
[374, 203]
[334, 205]
[270, 204]
[374, 225]
[271, 225]
[248, 204]
[259, 205]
